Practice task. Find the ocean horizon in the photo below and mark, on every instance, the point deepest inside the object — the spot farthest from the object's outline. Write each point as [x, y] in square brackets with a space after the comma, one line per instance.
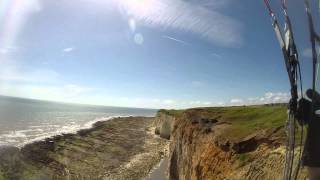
[28, 120]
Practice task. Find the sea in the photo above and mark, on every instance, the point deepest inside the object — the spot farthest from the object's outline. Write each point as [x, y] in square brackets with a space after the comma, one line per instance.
[25, 120]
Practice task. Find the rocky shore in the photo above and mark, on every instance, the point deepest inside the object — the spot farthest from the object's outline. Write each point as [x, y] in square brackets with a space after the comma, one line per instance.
[121, 148]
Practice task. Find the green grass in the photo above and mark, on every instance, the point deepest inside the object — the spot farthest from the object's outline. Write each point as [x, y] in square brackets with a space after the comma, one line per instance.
[244, 159]
[244, 120]
[171, 112]
[1, 175]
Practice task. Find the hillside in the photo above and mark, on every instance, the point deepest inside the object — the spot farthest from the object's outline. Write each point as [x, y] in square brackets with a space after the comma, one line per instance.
[245, 142]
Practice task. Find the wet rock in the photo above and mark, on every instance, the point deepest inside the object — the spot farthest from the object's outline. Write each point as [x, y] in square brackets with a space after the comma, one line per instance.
[10, 162]
[245, 146]
[7, 152]
[84, 132]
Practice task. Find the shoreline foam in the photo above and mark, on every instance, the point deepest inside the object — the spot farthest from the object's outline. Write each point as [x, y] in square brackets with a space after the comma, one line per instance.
[108, 150]
[40, 137]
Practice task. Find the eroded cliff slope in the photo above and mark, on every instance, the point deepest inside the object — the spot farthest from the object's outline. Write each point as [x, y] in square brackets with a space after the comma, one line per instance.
[227, 143]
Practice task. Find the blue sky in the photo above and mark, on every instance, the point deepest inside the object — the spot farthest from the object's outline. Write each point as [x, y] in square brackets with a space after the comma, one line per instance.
[146, 53]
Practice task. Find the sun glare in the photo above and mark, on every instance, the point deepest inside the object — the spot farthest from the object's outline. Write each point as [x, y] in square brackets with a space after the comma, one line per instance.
[139, 7]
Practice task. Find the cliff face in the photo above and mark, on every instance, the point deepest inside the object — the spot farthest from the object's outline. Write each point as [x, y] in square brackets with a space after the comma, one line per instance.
[163, 124]
[213, 144]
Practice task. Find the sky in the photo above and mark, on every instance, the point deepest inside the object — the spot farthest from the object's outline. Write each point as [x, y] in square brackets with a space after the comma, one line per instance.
[147, 53]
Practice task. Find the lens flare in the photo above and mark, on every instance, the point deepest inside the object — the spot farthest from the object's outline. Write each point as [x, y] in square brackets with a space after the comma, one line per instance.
[13, 16]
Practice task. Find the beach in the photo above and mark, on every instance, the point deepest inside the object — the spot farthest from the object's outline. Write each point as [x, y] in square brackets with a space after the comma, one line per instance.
[120, 148]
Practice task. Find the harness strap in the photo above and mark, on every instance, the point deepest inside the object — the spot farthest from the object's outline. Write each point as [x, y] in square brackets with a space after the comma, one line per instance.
[290, 55]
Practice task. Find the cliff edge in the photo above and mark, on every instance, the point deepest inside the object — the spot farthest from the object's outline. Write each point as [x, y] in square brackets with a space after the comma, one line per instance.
[226, 142]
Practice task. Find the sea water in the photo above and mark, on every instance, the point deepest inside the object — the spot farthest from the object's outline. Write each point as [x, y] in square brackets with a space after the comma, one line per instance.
[24, 120]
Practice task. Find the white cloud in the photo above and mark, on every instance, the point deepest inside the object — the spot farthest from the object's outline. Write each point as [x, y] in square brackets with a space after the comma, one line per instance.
[169, 101]
[221, 103]
[236, 101]
[124, 99]
[279, 97]
[176, 40]
[66, 50]
[194, 102]
[207, 103]
[197, 104]
[67, 93]
[76, 89]
[267, 98]
[14, 74]
[87, 95]
[187, 16]
[156, 100]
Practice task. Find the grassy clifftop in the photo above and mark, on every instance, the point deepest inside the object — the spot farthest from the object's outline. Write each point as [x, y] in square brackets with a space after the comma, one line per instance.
[171, 112]
[246, 142]
[244, 120]
[247, 120]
